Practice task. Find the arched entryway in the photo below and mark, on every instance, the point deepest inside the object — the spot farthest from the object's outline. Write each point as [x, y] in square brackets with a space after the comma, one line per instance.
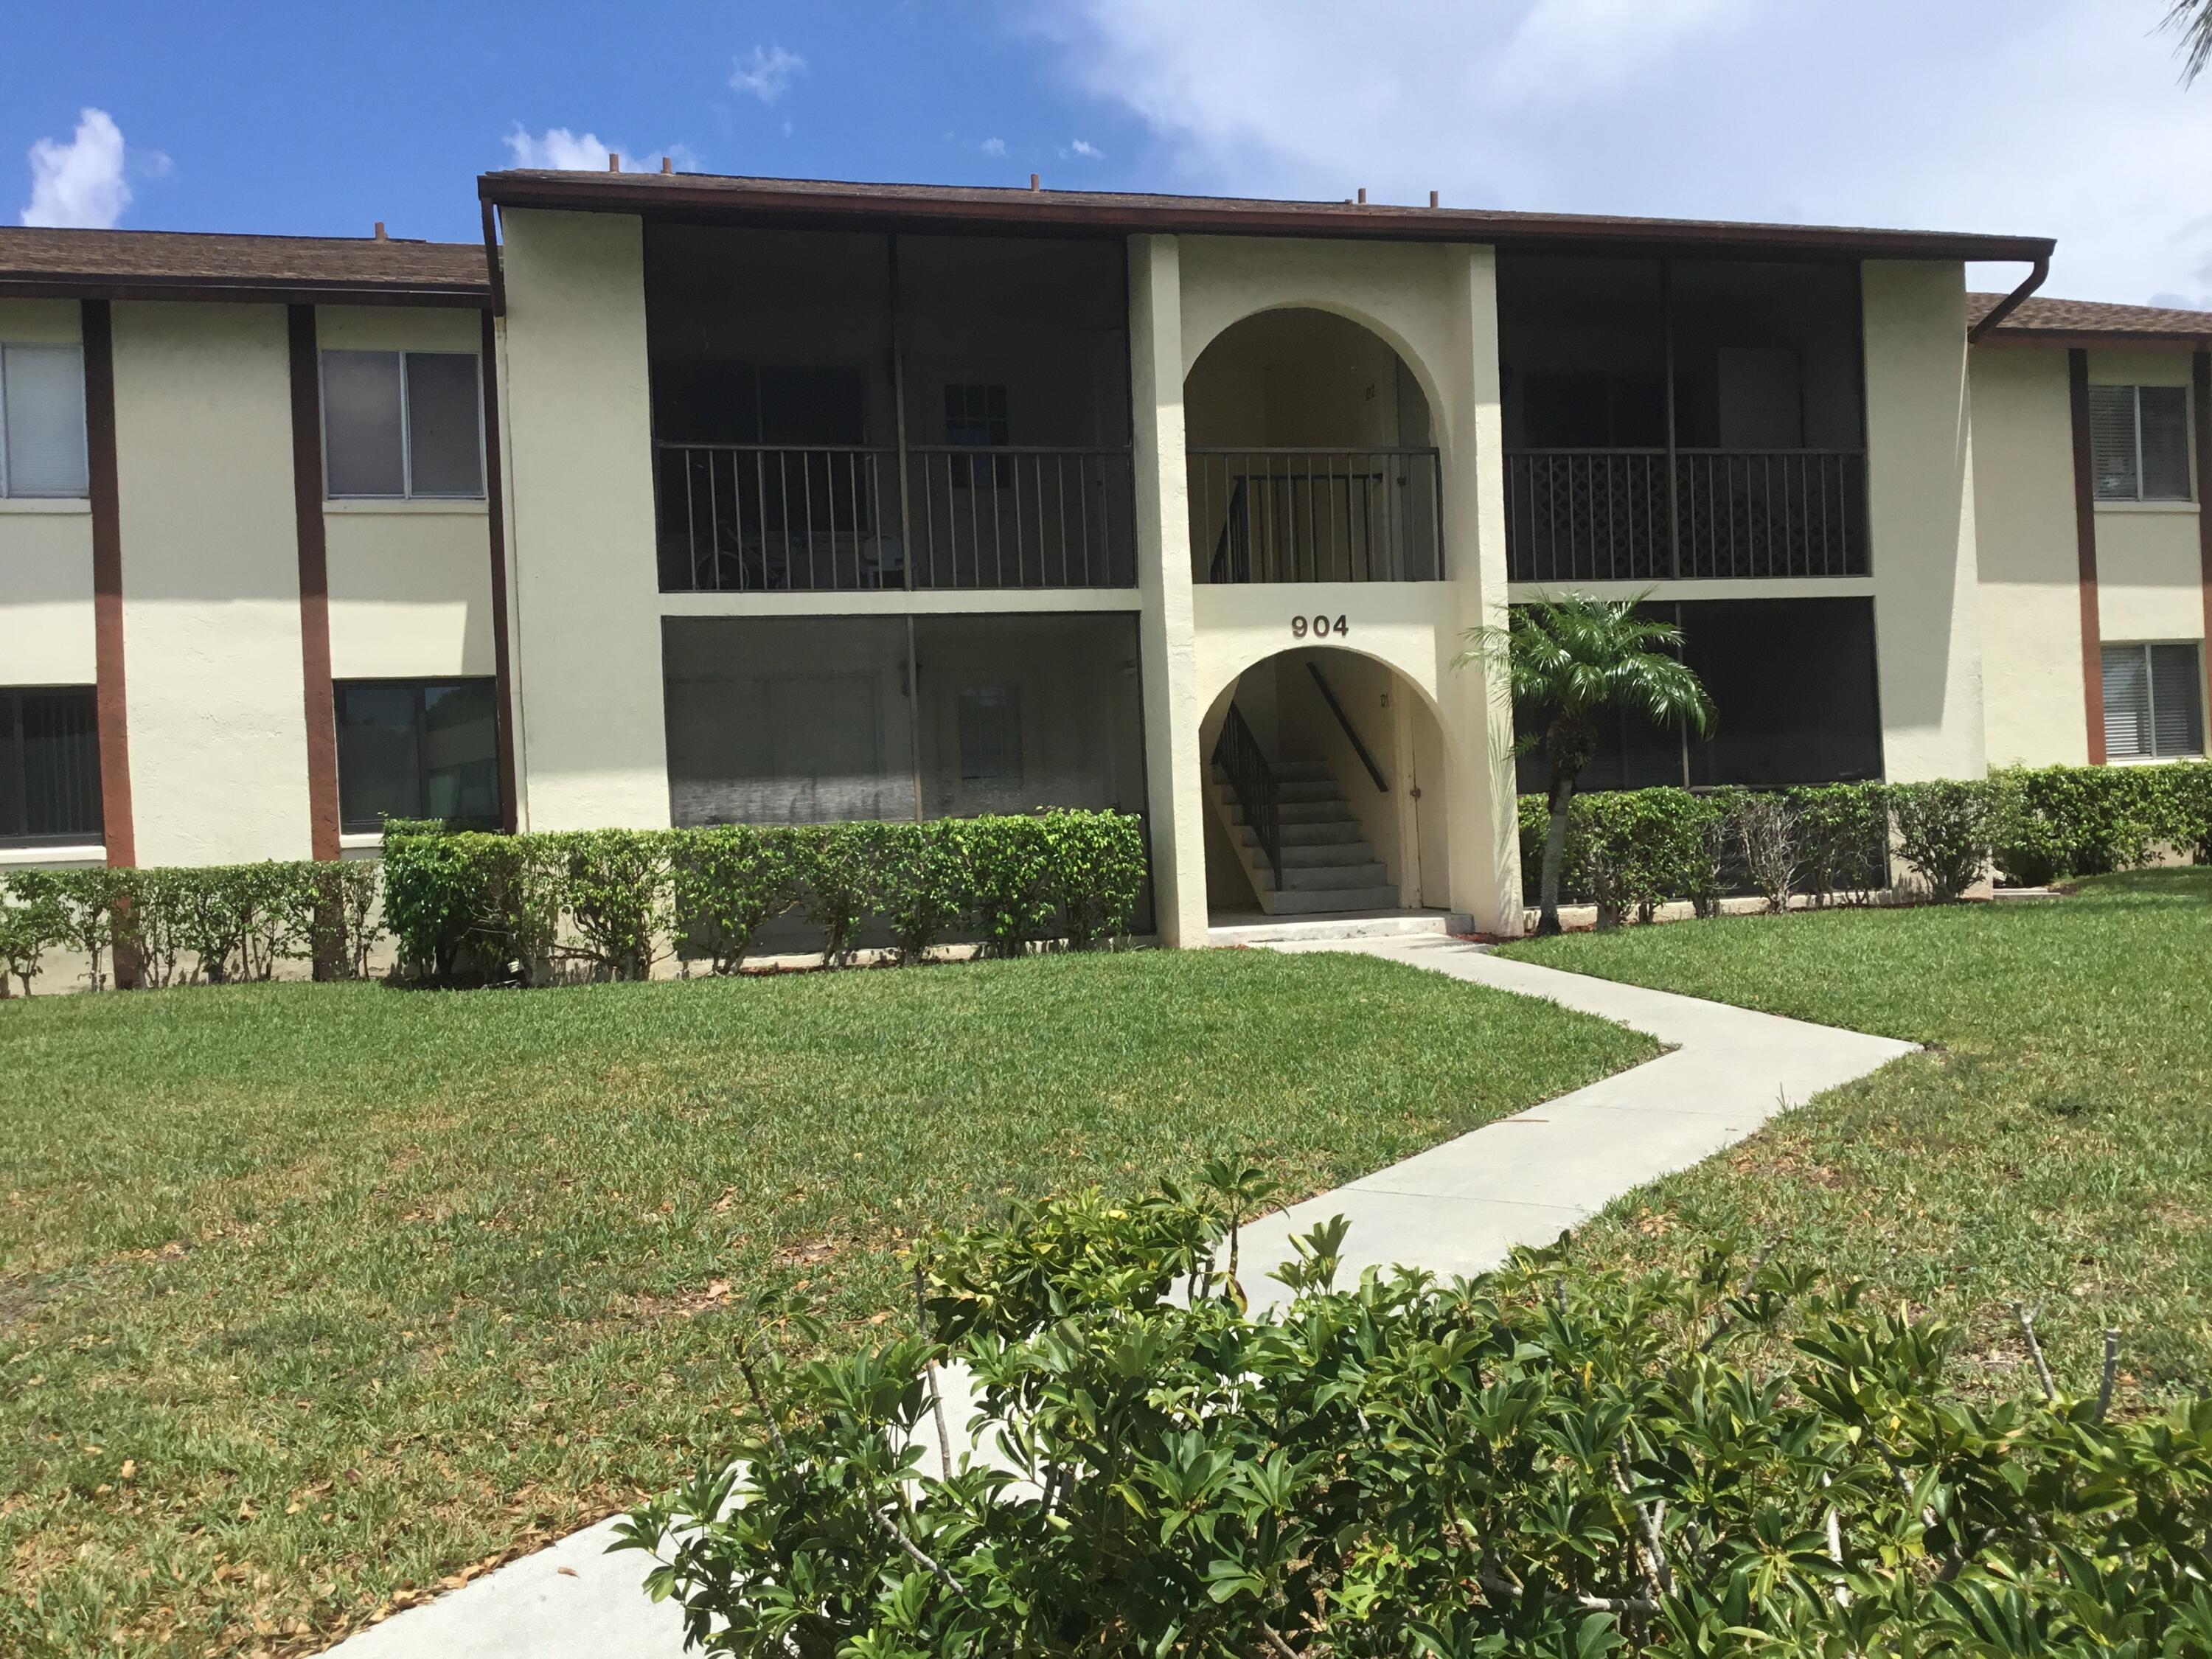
[1312, 455]
[1324, 785]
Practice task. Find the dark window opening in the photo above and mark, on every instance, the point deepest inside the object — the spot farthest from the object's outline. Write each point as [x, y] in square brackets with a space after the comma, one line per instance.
[49, 767]
[402, 425]
[2154, 701]
[417, 749]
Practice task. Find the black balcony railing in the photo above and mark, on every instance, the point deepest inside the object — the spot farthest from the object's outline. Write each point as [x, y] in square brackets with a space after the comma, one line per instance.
[1316, 515]
[1624, 516]
[758, 518]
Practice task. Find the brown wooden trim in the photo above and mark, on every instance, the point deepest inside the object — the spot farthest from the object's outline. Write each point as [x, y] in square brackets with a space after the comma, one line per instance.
[1013, 212]
[495, 514]
[315, 583]
[2200, 382]
[2094, 339]
[492, 265]
[93, 285]
[2085, 543]
[111, 704]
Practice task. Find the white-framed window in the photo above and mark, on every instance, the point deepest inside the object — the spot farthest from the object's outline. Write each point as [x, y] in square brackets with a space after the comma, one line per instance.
[42, 448]
[2154, 701]
[2139, 442]
[402, 425]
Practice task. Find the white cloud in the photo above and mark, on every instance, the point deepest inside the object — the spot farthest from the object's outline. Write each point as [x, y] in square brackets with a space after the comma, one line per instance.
[766, 72]
[1084, 147]
[561, 150]
[81, 182]
[995, 147]
[2061, 118]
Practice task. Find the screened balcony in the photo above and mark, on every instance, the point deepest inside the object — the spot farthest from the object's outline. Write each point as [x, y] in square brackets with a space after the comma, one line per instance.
[1670, 420]
[846, 412]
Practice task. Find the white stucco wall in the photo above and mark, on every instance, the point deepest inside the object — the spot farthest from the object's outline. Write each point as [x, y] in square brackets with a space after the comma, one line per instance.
[410, 582]
[210, 582]
[587, 605]
[2026, 553]
[1928, 636]
[46, 546]
[1436, 305]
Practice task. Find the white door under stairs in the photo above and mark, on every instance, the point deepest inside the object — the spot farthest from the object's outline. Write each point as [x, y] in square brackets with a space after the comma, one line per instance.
[1327, 862]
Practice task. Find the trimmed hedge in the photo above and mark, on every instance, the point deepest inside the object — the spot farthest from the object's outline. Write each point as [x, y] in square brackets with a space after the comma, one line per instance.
[1629, 851]
[213, 925]
[469, 908]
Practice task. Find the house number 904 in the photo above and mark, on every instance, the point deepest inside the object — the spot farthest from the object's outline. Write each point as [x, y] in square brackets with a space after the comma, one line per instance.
[1318, 626]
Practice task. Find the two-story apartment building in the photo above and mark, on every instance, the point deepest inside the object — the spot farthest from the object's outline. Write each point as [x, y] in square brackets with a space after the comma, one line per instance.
[688, 499]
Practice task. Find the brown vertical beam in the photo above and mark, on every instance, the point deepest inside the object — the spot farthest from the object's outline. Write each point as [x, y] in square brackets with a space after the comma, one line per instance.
[2200, 382]
[496, 517]
[314, 584]
[2085, 542]
[112, 707]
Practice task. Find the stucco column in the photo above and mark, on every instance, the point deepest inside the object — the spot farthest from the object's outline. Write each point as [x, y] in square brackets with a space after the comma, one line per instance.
[1481, 814]
[1921, 520]
[1174, 782]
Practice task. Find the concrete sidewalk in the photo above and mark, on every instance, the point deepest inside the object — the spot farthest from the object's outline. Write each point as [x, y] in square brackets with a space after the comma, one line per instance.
[1457, 1208]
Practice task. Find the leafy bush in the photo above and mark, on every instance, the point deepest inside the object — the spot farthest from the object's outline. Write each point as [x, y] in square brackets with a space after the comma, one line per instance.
[615, 886]
[1006, 868]
[341, 922]
[2187, 819]
[1546, 1461]
[1094, 873]
[728, 880]
[920, 889]
[1842, 837]
[1639, 848]
[431, 898]
[839, 868]
[1943, 833]
[31, 921]
[2057, 821]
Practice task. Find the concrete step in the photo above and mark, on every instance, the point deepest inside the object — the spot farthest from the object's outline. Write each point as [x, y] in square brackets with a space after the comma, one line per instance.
[1301, 771]
[1321, 789]
[1334, 833]
[1305, 900]
[1320, 853]
[1315, 811]
[1318, 878]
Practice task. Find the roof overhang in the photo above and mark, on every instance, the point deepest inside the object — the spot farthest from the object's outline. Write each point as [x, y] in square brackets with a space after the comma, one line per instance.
[952, 209]
[107, 285]
[2098, 339]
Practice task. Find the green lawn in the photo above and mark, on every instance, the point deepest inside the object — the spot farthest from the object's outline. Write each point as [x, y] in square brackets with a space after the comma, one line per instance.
[2054, 1146]
[313, 1295]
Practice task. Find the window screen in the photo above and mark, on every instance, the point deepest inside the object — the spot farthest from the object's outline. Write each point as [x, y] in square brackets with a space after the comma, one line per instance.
[991, 736]
[49, 766]
[42, 420]
[2154, 701]
[2139, 442]
[444, 415]
[413, 749]
[975, 418]
[398, 424]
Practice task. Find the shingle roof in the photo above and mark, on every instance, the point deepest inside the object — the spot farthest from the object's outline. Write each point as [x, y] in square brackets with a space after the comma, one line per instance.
[185, 264]
[2039, 319]
[968, 207]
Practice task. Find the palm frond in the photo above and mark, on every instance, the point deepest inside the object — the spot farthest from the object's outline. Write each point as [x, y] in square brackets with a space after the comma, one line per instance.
[2191, 20]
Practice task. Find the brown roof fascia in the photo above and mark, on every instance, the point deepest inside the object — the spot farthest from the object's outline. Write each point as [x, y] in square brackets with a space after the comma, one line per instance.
[93, 285]
[2101, 339]
[807, 203]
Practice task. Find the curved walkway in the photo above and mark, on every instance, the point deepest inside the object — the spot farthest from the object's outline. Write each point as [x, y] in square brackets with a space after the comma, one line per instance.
[1457, 1208]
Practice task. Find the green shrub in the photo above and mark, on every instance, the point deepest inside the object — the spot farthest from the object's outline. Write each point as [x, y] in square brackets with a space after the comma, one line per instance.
[729, 881]
[1943, 833]
[340, 924]
[1006, 868]
[921, 891]
[472, 908]
[2058, 821]
[31, 921]
[430, 900]
[1640, 848]
[1843, 840]
[840, 870]
[94, 907]
[1094, 873]
[1547, 1460]
[615, 886]
[156, 929]
[2186, 820]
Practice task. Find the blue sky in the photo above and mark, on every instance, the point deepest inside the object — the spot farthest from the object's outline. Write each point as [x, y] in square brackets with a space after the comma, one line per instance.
[2061, 117]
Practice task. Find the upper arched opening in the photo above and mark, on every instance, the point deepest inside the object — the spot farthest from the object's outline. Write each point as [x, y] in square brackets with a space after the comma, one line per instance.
[1312, 455]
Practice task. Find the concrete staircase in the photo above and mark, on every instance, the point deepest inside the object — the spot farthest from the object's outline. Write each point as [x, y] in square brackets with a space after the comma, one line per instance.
[1328, 864]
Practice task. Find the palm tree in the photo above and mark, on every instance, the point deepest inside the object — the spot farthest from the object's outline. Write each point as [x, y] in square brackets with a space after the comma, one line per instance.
[1571, 659]
[2192, 20]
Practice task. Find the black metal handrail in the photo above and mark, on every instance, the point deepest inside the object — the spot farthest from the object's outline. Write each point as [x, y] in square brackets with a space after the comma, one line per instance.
[1237, 752]
[1302, 513]
[1328, 696]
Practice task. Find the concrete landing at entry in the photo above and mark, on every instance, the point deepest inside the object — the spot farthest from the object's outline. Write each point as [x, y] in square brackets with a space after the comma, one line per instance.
[1254, 927]
[1457, 1208]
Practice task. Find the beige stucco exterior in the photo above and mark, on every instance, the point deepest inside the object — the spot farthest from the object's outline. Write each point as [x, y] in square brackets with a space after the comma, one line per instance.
[210, 582]
[1921, 520]
[586, 596]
